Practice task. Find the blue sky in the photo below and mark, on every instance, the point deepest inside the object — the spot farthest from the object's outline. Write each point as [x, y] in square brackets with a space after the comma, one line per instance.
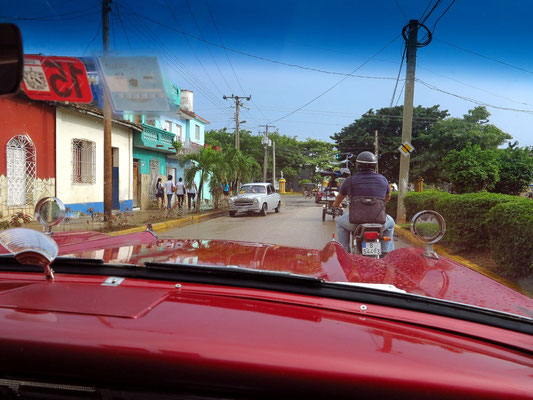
[333, 36]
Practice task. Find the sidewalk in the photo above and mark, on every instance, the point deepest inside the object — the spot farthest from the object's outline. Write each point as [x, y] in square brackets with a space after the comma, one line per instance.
[133, 221]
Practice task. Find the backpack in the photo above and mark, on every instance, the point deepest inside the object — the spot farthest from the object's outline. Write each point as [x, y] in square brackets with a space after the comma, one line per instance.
[367, 210]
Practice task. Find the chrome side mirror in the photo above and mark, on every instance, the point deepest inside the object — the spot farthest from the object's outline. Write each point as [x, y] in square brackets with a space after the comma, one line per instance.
[49, 211]
[428, 227]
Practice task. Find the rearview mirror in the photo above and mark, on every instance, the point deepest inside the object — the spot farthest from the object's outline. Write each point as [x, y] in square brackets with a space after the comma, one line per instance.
[11, 59]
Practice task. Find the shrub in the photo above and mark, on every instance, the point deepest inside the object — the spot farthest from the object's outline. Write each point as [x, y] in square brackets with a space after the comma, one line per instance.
[418, 201]
[511, 237]
[466, 218]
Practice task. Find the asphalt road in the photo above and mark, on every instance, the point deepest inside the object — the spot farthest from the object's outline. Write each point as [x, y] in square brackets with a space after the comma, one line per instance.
[299, 224]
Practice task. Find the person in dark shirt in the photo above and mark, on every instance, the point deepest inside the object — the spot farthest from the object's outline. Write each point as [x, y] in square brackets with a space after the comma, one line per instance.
[366, 182]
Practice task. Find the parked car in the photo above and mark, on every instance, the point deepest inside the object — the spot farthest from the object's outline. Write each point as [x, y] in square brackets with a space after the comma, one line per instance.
[255, 197]
[137, 317]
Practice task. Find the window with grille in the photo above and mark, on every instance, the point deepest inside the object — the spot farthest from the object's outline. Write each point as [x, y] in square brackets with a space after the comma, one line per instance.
[83, 161]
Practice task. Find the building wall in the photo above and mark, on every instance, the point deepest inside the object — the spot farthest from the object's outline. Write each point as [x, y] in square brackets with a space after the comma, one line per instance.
[145, 155]
[80, 196]
[21, 116]
[191, 127]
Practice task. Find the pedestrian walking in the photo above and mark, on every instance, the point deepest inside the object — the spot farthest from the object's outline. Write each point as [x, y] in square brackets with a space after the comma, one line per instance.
[225, 189]
[191, 193]
[159, 193]
[180, 191]
[170, 188]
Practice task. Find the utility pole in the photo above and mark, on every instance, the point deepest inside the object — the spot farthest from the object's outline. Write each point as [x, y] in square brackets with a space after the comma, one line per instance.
[108, 154]
[266, 142]
[274, 164]
[376, 148]
[237, 105]
[407, 125]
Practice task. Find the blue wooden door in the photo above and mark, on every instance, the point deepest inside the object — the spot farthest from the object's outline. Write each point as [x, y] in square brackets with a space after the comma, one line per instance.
[116, 203]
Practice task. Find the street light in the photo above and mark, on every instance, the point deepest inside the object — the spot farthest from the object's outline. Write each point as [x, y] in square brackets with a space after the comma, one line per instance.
[243, 122]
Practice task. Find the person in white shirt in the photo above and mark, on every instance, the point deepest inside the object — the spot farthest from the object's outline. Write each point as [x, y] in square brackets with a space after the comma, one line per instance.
[191, 193]
[180, 191]
[170, 188]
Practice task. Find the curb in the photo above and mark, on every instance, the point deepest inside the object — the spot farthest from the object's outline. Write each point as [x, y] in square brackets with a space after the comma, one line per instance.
[174, 223]
[408, 236]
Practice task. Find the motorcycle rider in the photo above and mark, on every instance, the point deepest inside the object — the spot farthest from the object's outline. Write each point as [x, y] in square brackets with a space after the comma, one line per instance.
[365, 182]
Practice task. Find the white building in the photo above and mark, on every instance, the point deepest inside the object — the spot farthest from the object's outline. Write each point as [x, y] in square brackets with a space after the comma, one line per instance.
[80, 159]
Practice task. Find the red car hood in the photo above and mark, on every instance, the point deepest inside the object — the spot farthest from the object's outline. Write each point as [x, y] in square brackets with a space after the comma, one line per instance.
[406, 269]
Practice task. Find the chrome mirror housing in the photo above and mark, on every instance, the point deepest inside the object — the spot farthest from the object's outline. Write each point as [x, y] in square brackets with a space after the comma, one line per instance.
[428, 227]
[49, 211]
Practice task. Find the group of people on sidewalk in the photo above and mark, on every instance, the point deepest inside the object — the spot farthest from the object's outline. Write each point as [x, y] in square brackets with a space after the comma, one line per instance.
[169, 188]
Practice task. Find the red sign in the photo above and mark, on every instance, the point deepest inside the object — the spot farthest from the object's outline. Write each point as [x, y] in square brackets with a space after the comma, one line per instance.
[56, 79]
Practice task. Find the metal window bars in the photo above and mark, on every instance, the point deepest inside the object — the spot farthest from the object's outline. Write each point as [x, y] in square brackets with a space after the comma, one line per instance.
[21, 160]
[83, 161]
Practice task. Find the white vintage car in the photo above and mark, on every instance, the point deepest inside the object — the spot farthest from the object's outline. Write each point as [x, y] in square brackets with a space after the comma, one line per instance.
[256, 197]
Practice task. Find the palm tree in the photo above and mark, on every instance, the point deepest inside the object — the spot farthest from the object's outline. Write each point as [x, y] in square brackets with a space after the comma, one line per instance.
[202, 163]
[242, 167]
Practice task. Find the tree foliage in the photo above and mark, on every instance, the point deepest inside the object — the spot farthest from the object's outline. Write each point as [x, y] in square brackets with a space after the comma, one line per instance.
[515, 169]
[434, 136]
[296, 158]
[472, 169]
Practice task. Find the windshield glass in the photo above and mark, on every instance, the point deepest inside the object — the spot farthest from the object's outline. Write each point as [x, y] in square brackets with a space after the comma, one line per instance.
[253, 189]
[425, 103]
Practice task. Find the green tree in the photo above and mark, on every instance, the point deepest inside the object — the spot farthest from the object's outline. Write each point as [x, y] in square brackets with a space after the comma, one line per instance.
[359, 136]
[453, 134]
[202, 163]
[515, 169]
[472, 169]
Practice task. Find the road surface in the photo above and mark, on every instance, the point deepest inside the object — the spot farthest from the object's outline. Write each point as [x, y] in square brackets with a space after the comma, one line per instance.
[299, 224]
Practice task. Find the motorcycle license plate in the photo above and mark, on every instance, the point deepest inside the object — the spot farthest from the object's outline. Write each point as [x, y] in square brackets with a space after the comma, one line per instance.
[371, 248]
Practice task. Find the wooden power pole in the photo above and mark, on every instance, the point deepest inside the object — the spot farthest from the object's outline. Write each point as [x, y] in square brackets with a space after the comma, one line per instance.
[108, 154]
[376, 148]
[407, 125]
[237, 105]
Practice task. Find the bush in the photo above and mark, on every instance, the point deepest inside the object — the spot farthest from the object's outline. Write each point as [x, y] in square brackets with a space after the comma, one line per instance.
[418, 201]
[511, 237]
[466, 218]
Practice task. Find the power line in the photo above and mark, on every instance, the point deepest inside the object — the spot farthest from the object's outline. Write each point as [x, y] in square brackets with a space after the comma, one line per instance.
[253, 55]
[229, 60]
[478, 102]
[338, 83]
[433, 9]
[442, 15]
[123, 28]
[98, 30]
[56, 17]
[398, 4]
[180, 68]
[487, 57]
[398, 77]
[427, 8]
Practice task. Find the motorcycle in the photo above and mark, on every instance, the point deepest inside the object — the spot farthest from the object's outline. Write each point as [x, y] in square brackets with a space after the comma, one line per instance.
[366, 240]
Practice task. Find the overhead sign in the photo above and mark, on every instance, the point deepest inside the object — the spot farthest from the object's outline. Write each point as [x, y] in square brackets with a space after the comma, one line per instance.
[406, 148]
[56, 79]
[134, 84]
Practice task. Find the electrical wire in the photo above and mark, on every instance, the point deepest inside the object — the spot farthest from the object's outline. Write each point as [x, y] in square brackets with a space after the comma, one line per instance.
[442, 15]
[193, 51]
[56, 16]
[398, 4]
[339, 82]
[181, 69]
[486, 57]
[398, 77]
[427, 8]
[253, 55]
[227, 56]
[98, 30]
[123, 28]
[478, 102]
[433, 9]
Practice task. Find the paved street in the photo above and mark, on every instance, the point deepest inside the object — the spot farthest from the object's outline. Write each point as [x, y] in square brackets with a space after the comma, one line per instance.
[298, 224]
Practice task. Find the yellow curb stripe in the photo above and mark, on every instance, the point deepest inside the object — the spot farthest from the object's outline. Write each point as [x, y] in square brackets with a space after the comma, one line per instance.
[167, 225]
[407, 235]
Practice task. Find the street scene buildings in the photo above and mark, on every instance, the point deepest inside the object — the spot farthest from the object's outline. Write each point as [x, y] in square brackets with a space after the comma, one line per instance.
[56, 149]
